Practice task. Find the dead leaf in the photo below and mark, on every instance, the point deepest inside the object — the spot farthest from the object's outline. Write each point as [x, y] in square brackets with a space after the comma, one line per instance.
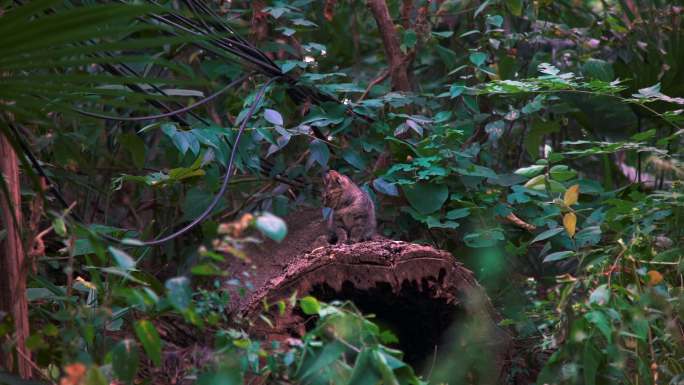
[656, 278]
[329, 10]
[86, 283]
[566, 277]
[75, 374]
[511, 219]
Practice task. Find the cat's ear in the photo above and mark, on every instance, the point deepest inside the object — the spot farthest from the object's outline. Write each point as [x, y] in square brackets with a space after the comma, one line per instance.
[190, 350]
[335, 176]
[326, 177]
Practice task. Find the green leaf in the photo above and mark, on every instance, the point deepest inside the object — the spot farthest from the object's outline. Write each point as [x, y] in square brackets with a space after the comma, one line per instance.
[536, 181]
[481, 8]
[644, 135]
[169, 129]
[273, 117]
[353, 158]
[95, 377]
[548, 234]
[123, 260]
[303, 22]
[601, 295]
[364, 373]
[149, 337]
[542, 127]
[495, 20]
[134, 144]
[557, 256]
[385, 187]
[410, 38]
[426, 198]
[320, 152]
[388, 377]
[274, 227]
[495, 129]
[471, 103]
[562, 173]
[448, 56]
[328, 355]
[179, 293]
[531, 171]
[478, 58]
[197, 201]
[181, 142]
[516, 6]
[126, 360]
[460, 213]
[592, 361]
[309, 305]
[598, 69]
[456, 89]
[532, 143]
[442, 33]
[59, 226]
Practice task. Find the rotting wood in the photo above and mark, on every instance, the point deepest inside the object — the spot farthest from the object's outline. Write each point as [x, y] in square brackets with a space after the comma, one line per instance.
[421, 291]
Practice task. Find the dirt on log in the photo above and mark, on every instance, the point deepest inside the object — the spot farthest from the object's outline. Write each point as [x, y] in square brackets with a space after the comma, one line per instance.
[423, 295]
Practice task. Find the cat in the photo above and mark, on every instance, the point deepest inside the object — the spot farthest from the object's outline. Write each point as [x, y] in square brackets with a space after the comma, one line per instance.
[352, 218]
[182, 367]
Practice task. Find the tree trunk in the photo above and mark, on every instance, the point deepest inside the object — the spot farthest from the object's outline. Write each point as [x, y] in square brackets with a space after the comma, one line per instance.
[431, 302]
[406, 8]
[13, 269]
[395, 62]
[395, 58]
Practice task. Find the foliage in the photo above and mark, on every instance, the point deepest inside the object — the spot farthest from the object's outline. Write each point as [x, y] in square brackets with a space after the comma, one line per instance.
[540, 145]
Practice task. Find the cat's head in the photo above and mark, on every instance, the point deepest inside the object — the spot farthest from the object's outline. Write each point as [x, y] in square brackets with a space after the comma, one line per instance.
[335, 187]
[175, 367]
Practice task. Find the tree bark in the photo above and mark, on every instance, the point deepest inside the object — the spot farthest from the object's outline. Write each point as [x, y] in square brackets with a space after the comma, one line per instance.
[395, 58]
[406, 8]
[395, 62]
[13, 269]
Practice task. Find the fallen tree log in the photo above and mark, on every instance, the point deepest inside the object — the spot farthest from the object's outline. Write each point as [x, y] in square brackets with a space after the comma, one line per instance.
[423, 295]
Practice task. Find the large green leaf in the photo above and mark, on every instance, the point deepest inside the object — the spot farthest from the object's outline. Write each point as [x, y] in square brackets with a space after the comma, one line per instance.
[426, 198]
[179, 292]
[149, 337]
[135, 145]
[126, 360]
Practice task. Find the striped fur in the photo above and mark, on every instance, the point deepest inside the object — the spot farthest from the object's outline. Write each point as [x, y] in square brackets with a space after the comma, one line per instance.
[352, 218]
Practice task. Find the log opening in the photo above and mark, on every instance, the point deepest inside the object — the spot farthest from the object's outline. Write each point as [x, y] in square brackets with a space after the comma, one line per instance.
[423, 295]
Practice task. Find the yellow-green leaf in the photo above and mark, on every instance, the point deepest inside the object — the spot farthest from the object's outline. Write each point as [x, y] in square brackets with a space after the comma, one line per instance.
[148, 335]
[571, 195]
[570, 223]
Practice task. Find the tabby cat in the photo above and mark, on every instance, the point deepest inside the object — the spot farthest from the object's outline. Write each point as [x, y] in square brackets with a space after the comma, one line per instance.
[352, 218]
[182, 367]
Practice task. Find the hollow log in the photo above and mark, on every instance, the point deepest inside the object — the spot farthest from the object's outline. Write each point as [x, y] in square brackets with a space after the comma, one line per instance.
[423, 295]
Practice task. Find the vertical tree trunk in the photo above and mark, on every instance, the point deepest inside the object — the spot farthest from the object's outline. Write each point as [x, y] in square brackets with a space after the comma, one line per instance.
[406, 8]
[395, 62]
[395, 58]
[13, 268]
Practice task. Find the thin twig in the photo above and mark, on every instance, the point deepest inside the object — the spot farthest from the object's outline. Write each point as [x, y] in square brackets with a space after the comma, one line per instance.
[434, 358]
[34, 366]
